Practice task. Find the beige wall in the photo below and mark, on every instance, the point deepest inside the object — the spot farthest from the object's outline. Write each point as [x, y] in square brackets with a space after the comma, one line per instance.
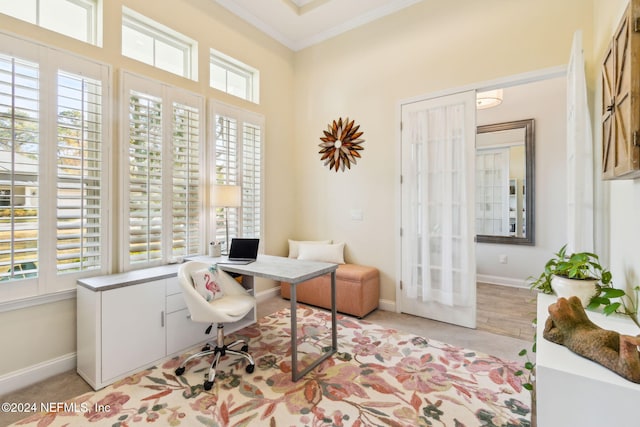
[429, 47]
[44, 332]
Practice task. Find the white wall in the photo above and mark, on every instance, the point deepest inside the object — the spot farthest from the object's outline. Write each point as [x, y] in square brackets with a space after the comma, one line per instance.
[545, 102]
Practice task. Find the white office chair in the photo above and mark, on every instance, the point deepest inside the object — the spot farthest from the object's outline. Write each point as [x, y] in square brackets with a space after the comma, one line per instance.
[231, 307]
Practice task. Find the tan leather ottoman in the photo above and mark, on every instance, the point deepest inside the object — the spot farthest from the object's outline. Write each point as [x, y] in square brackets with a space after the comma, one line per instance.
[357, 290]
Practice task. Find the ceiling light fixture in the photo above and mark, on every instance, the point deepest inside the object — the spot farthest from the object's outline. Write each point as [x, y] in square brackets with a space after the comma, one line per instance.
[488, 99]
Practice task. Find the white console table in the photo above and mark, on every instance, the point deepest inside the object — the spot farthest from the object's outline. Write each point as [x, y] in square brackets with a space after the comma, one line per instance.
[574, 391]
[130, 321]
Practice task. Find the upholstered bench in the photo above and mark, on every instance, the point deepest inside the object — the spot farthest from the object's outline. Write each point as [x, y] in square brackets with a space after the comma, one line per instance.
[357, 290]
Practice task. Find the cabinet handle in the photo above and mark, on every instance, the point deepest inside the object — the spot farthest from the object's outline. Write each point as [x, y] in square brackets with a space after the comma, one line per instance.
[162, 318]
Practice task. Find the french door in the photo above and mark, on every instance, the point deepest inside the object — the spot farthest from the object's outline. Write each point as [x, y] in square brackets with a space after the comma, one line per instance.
[438, 269]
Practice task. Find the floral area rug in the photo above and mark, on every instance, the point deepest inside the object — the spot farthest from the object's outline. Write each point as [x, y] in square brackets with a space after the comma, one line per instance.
[379, 377]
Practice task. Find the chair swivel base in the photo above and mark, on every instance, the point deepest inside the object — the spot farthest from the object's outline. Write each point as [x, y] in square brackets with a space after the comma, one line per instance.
[219, 352]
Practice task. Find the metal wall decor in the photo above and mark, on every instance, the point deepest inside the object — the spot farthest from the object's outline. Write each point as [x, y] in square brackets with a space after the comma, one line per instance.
[341, 144]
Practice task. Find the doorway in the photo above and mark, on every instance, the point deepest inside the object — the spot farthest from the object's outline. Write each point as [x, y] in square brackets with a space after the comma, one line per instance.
[521, 261]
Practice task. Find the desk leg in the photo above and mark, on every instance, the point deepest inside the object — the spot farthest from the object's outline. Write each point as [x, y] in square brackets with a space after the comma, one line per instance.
[294, 333]
[334, 315]
[295, 375]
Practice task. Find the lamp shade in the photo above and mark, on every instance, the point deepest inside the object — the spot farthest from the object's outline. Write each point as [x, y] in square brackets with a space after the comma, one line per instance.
[227, 196]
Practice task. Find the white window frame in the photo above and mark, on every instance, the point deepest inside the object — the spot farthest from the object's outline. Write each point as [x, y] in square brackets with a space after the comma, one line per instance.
[229, 64]
[158, 32]
[167, 95]
[94, 19]
[242, 117]
[51, 61]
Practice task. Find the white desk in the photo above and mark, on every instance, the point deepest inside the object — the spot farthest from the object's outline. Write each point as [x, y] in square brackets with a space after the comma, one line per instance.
[293, 271]
[574, 391]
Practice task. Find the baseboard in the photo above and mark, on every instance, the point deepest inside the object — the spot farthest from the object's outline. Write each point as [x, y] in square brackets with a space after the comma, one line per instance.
[267, 293]
[504, 281]
[387, 305]
[36, 373]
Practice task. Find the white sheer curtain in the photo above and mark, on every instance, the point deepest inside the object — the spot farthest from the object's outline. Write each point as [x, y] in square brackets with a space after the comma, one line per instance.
[579, 155]
[438, 230]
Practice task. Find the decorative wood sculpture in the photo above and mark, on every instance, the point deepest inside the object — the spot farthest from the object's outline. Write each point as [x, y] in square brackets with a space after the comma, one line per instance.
[341, 144]
[569, 325]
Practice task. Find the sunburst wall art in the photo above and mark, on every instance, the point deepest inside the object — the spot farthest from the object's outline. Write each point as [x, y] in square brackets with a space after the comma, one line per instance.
[341, 144]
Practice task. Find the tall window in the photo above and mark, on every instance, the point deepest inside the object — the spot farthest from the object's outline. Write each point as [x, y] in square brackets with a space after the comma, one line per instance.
[74, 18]
[53, 219]
[238, 147]
[233, 77]
[163, 185]
[157, 45]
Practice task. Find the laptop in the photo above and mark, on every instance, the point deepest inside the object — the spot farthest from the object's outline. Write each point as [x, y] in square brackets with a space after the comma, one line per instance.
[242, 251]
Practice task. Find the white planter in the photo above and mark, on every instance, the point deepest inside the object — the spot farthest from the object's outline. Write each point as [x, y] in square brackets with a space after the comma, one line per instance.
[583, 289]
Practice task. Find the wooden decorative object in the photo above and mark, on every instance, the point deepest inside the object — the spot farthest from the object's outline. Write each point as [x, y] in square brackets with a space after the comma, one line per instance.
[569, 325]
[621, 99]
[341, 144]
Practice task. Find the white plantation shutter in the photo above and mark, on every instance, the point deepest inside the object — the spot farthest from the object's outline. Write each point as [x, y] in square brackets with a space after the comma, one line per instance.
[238, 150]
[187, 199]
[145, 178]
[163, 183]
[53, 169]
[251, 180]
[19, 166]
[79, 168]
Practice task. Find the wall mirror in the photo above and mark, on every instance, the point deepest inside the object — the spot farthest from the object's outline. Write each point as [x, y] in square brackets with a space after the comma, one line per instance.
[505, 183]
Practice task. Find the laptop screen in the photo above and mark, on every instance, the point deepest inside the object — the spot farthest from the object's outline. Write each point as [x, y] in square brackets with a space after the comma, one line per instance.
[244, 248]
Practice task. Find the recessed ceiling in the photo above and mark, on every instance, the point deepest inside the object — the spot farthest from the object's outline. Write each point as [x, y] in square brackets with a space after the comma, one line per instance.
[301, 23]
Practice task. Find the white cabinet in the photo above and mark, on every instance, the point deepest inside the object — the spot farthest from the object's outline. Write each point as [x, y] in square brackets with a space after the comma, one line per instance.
[133, 333]
[574, 391]
[130, 321]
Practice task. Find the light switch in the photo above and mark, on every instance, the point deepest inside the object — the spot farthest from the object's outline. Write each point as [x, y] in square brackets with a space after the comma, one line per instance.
[356, 214]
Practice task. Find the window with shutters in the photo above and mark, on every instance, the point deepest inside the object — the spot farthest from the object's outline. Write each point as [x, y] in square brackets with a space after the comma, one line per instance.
[163, 185]
[187, 201]
[20, 131]
[79, 171]
[52, 195]
[238, 147]
[74, 18]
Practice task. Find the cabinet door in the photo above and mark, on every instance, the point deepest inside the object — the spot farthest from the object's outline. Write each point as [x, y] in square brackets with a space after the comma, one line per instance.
[183, 333]
[133, 332]
[620, 115]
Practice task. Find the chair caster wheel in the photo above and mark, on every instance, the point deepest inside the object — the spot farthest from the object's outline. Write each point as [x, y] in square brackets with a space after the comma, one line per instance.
[207, 347]
[180, 371]
[245, 348]
[207, 385]
[250, 369]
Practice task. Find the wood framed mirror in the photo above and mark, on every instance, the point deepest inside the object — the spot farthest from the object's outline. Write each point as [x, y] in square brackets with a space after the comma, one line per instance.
[505, 180]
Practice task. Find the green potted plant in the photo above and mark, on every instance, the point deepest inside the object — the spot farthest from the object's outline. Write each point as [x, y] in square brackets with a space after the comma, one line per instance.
[578, 274]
